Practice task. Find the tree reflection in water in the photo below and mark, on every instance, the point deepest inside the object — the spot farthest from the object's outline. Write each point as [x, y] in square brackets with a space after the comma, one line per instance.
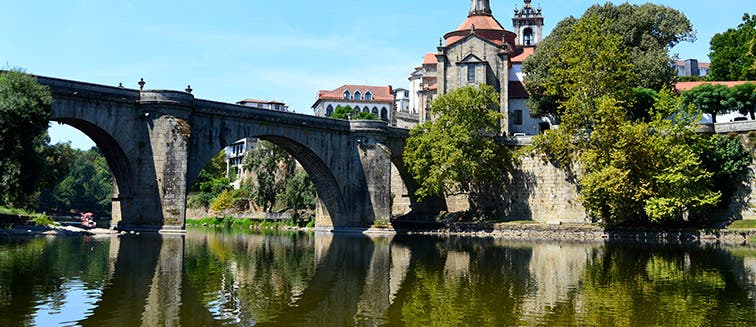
[212, 278]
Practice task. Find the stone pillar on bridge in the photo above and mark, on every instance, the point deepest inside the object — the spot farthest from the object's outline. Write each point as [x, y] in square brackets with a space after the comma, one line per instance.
[375, 163]
[162, 164]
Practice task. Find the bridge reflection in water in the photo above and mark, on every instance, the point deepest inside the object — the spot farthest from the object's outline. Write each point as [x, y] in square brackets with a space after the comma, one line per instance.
[219, 278]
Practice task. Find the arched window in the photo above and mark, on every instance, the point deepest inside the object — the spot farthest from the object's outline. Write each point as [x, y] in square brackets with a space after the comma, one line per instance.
[368, 96]
[356, 109]
[375, 111]
[329, 111]
[527, 36]
[357, 95]
[366, 110]
[384, 114]
[347, 95]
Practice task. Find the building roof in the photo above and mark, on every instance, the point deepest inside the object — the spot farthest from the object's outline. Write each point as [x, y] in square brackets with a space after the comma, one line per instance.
[380, 93]
[485, 26]
[522, 53]
[684, 86]
[430, 59]
[246, 101]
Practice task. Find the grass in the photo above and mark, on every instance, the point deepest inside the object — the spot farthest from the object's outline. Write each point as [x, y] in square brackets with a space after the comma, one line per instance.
[40, 219]
[231, 222]
[743, 224]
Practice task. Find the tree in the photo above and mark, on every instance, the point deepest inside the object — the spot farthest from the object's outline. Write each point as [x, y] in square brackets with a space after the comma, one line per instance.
[643, 101]
[458, 151]
[342, 112]
[590, 66]
[272, 166]
[743, 98]
[712, 99]
[87, 186]
[731, 55]
[299, 192]
[346, 112]
[24, 113]
[645, 32]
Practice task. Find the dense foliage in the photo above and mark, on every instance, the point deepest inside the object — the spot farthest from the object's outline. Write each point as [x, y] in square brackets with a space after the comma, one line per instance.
[458, 151]
[642, 33]
[717, 99]
[631, 165]
[346, 112]
[84, 182]
[732, 55]
[24, 112]
[269, 179]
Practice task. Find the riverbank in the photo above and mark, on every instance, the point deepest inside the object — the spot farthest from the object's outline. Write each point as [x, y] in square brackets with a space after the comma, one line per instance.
[54, 230]
[587, 233]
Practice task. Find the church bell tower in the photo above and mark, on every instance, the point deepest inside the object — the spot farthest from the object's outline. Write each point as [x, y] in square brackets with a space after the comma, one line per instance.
[528, 24]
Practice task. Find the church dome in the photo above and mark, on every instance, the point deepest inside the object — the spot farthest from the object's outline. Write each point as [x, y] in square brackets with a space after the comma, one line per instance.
[481, 22]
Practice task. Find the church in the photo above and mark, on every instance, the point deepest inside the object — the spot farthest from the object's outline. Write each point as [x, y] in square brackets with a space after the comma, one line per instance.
[479, 51]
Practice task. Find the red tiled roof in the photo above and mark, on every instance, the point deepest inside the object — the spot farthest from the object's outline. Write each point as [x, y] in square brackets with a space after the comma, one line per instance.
[517, 90]
[522, 53]
[380, 93]
[481, 22]
[684, 86]
[486, 26]
[430, 59]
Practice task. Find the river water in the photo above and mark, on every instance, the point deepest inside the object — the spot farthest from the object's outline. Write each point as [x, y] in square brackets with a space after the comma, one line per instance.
[211, 277]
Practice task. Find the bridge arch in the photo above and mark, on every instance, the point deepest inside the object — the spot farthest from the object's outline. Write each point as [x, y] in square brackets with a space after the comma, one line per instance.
[326, 185]
[112, 151]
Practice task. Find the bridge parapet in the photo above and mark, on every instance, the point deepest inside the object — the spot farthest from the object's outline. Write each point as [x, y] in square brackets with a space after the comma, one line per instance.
[166, 97]
[739, 127]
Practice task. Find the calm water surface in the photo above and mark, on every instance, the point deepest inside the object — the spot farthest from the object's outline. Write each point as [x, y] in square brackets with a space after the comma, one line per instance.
[231, 278]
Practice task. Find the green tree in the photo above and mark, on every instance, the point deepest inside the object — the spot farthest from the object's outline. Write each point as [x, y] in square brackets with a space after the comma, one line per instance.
[743, 98]
[24, 113]
[645, 32]
[643, 101]
[299, 192]
[343, 112]
[712, 99]
[88, 185]
[272, 166]
[362, 115]
[731, 56]
[458, 151]
[346, 112]
[215, 169]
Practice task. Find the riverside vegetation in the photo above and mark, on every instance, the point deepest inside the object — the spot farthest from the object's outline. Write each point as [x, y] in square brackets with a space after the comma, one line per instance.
[632, 150]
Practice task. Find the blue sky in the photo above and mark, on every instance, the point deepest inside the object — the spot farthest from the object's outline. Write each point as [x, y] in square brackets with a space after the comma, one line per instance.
[273, 50]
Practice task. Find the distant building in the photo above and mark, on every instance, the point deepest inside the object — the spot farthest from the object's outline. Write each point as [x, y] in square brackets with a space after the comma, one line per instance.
[402, 100]
[479, 51]
[235, 152]
[692, 67]
[262, 104]
[378, 100]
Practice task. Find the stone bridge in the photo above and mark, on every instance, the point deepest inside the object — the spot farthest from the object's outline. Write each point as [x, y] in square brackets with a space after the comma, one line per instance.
[157, 141]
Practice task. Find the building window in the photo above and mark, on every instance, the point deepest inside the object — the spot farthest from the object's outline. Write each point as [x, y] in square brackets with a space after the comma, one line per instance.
[366, 110]
[368, 96]
[357, 109]
[471, 73]
[527, 36]
[347, 95]
[518, 117]
[329, 111]
[357, 95]
[384, 114]
[375, 111]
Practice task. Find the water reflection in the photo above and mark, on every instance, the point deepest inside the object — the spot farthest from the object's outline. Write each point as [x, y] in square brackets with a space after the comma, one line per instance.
[230, 278]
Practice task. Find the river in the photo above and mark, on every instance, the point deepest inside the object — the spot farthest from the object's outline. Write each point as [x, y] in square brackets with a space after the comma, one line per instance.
[211, 277]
